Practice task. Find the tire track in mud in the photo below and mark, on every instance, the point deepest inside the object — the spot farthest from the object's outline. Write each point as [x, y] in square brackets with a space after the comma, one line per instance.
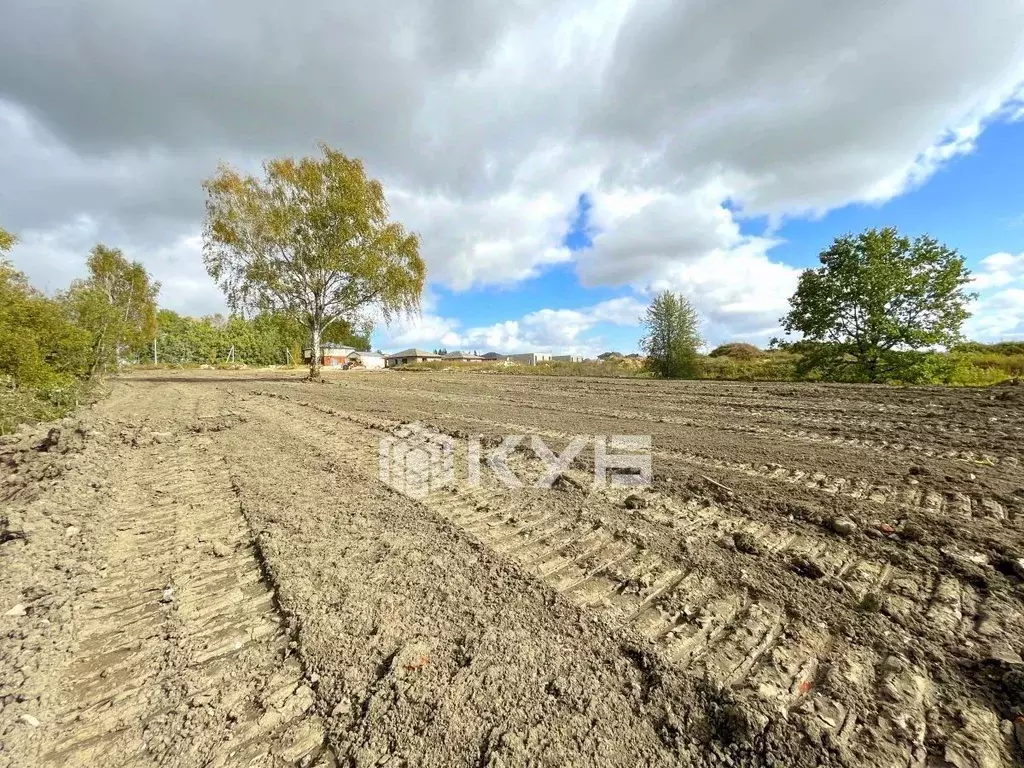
[912, 496]
[915, 446]
[182, 658]
[733, 635]
[718, 396]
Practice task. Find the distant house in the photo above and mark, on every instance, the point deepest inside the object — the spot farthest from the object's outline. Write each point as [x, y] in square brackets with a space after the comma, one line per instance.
[462, 357]
[369, 360]
[528, 358]
[412, 355]
[568, 358]
[331, 355]
[492, 356]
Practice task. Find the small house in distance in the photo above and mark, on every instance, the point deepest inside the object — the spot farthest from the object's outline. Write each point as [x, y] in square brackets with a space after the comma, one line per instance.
[331, 355]
[462, 357]
[492, 356]
[567, 358]
[528, 358]
[412, 355]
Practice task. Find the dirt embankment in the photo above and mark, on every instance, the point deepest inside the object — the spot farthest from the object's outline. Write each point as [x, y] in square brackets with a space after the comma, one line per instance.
[818, 575]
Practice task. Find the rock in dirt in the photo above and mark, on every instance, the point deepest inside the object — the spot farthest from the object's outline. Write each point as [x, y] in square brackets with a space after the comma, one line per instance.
[30, 720]
[51, 441]
[746, 543]
[18, 610]
[844, 526]
[220, 549]
[806, 567]
[565, 483]
[1002, 652]
[413, 656]
[1018, 730]
[72, 530]
[912, 532]
[871, 602]
[635, 501]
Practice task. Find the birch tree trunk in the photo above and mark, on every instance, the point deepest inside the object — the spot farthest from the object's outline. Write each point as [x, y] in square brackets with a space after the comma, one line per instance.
[317, 358]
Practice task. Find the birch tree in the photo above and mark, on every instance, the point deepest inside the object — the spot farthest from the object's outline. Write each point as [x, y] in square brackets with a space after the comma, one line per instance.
[312, 239]
[116, 304]
[672, 336]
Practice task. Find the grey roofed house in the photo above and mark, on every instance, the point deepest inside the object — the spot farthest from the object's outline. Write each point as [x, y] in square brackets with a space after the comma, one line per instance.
[466, 356]
[413, 352]
[492, 356]
[411, 355]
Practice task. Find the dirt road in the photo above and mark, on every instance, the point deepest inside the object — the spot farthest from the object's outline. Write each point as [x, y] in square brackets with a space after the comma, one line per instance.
[206, 569]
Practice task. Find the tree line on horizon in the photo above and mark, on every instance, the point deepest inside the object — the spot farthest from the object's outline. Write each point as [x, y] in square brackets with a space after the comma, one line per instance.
[308, 255]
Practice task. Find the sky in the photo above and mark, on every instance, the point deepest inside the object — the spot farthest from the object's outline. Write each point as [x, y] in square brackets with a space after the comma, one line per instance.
[561, 160]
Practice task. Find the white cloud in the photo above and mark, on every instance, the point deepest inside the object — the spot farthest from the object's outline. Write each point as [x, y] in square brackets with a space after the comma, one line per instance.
[692, 243]
[563, 331]
[999, 312]
[496, 241]
[998, 270]
[487, 119]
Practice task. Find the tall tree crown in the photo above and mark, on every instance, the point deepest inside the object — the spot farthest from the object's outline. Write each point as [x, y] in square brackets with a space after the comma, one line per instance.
[312, 237]
[878, 293]
[672, 336]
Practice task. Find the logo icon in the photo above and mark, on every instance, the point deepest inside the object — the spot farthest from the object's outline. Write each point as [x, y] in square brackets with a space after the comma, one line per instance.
[417, 460]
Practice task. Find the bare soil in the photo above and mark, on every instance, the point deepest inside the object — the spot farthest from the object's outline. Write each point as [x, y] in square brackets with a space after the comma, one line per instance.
[206, 569]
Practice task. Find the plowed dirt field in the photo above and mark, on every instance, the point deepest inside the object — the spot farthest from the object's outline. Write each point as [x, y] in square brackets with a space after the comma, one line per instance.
[206, 569]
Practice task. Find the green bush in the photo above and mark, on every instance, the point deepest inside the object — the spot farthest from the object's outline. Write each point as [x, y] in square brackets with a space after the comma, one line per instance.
[43, 356]
[739, 350]
[956, 368]
[770, 366]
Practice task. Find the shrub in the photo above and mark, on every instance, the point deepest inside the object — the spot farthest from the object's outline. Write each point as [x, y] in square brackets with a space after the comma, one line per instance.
[738, 350]
[43, 355]
[769, 366]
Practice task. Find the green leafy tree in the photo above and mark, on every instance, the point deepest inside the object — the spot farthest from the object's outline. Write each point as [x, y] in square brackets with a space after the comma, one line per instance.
[39, 347]
[267, 339]
[312, 240]
[877, 300]
[116, 304]
[672, 337]
[42, 354]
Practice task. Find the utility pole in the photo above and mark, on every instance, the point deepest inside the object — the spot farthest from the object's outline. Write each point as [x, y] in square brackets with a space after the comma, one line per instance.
[155, 359]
